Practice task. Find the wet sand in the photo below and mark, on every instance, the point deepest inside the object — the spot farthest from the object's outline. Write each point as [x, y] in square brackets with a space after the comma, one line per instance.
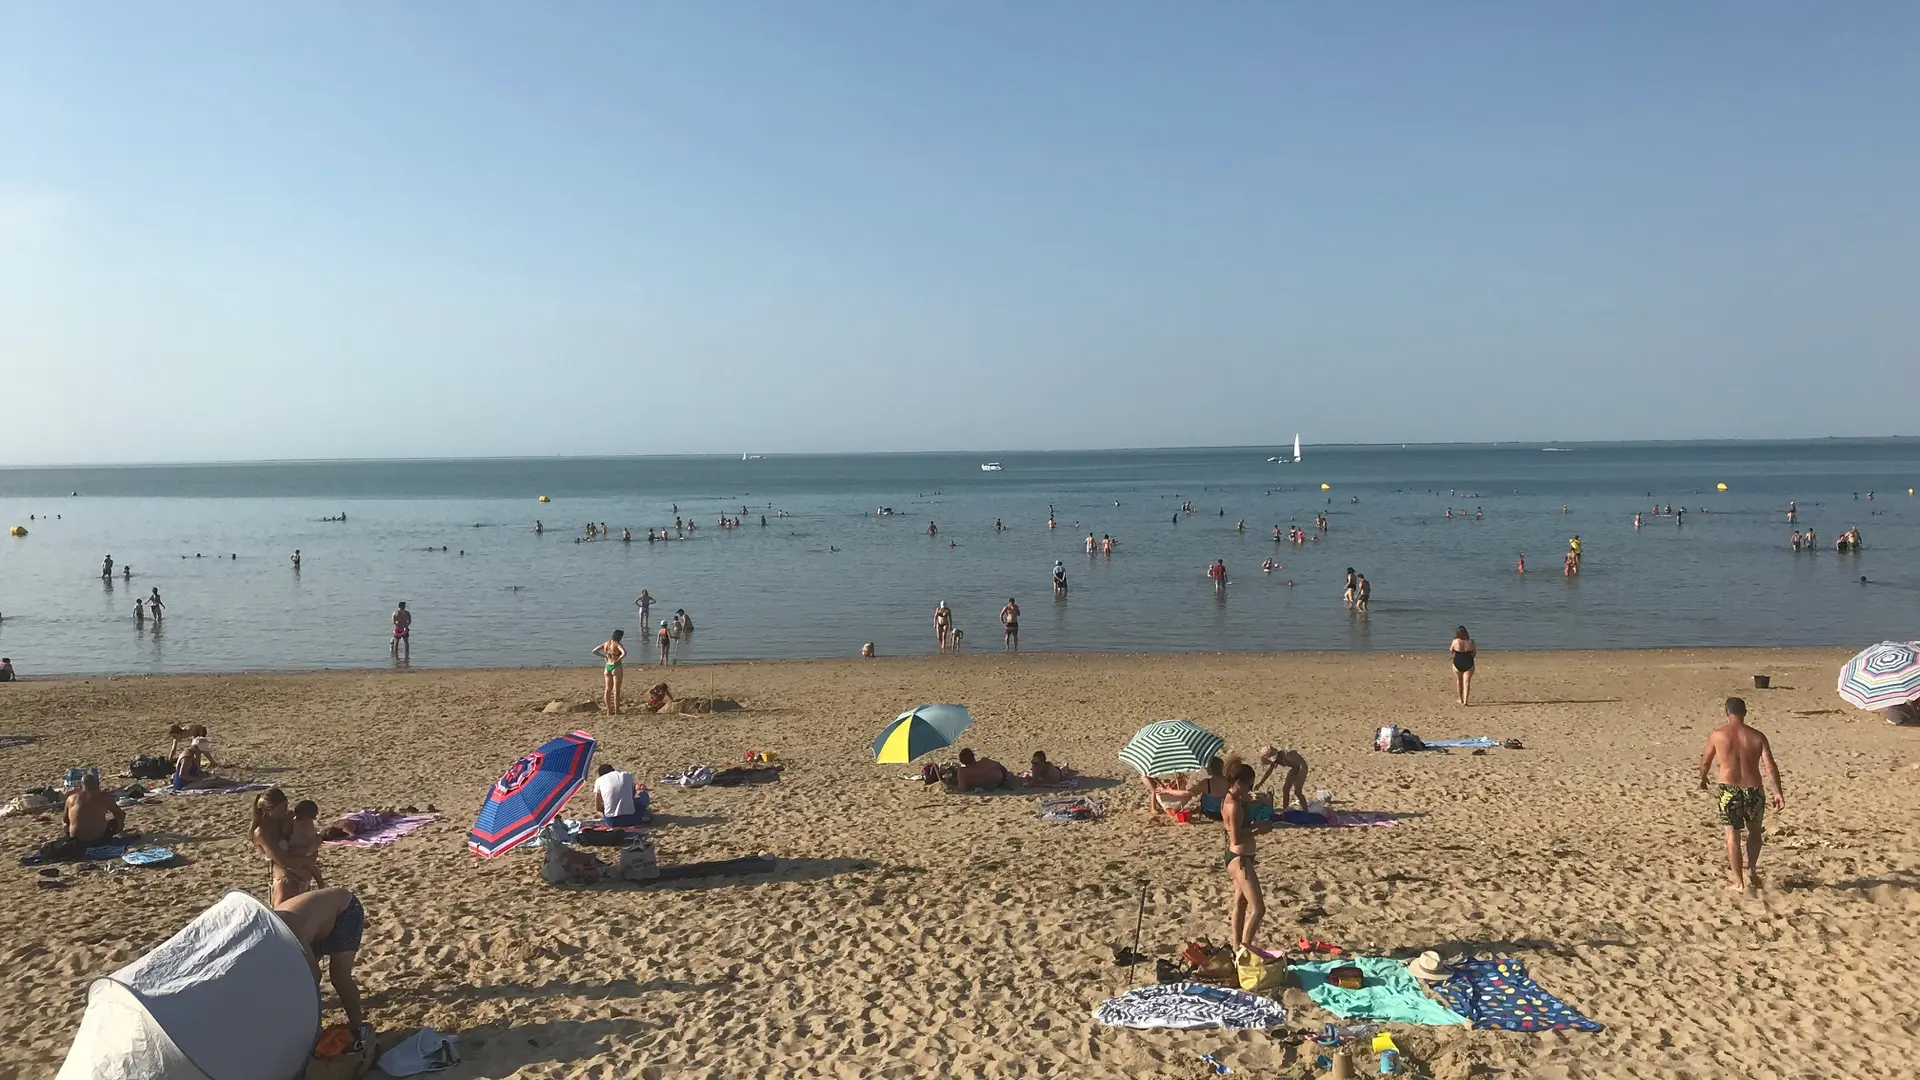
[911, 933]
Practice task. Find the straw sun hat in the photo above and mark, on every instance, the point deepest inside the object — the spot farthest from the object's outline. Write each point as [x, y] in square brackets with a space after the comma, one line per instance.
[1428, 967]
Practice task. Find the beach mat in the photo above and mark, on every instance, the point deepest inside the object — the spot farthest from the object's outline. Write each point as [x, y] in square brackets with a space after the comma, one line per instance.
[1498, 995]
[382, 829]
[230, 789]
[751, 864]
[1186, 1006]
[1478, 742]
[1389, 993]
[1339, 819]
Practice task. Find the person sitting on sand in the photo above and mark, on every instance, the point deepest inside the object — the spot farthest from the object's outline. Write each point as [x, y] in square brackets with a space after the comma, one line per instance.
[975, 774]
[657, 696]
[1294, 787]
[614, 798]
[190, 768]
[1210, 791]
[6, 669]
[1045, 773]
[92, 815]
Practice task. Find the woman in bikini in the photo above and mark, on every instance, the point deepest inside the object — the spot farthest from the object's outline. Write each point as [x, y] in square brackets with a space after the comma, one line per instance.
[613, 653]
[272, 821]
[1463, 649]
[1211, 790]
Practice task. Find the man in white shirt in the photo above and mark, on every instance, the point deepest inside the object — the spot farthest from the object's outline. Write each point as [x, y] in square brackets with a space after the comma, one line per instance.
[613, 796]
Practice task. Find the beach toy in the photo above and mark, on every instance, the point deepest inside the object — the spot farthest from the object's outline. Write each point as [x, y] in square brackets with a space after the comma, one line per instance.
[1384, 1041]
[21, 530]
[1720, 487]
[1389, 1062]
[543, 498]
[1326, 487]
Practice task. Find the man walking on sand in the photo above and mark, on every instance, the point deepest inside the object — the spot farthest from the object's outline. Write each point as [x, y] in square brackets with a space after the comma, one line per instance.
[1741, 751]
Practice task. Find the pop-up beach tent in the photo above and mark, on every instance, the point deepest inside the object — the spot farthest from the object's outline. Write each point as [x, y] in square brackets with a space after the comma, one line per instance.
[230, 997]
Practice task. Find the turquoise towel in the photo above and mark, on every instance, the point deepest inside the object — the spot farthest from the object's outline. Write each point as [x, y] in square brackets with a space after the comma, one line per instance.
[1390, 994]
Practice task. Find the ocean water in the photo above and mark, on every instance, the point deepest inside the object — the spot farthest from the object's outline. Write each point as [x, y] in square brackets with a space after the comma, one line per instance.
[216, 540]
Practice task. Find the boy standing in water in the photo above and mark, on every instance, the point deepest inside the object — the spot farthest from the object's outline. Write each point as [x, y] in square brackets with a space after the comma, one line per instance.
[1741, 751]
[402, 631]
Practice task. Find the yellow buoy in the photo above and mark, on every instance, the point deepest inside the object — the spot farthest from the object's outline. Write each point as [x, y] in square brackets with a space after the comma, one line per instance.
[1326, 487]
[543, 498]
[1721, 487]
[17, 530]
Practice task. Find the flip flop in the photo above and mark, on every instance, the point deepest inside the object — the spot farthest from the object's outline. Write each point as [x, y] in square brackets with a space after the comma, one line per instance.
[1320, 947]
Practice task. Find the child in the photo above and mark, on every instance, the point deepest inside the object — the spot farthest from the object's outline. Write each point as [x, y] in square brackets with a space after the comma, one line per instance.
[303, 848]
[1295, 784]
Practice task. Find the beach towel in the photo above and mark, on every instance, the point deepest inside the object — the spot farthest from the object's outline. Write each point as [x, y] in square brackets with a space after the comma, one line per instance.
[1071, 810]
[236, 788]
[1339, 819]
[151, 856]
[377, 829]
[1478, 742]
[1066, 783]
[1190, 1005]
[1389, 994]
[692, 776]
[1497, 995]
[750, 774]
[112, 849]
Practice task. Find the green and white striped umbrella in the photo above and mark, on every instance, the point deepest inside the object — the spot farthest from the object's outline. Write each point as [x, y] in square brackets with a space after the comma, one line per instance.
[1165, 747]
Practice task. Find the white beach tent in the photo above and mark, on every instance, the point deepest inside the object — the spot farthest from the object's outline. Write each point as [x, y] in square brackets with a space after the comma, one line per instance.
[231, 997]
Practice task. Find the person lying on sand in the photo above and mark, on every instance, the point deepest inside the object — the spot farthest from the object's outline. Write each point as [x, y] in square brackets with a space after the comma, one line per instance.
[1045, 773]
[975, 774]
[1294, 787]
[92, 814]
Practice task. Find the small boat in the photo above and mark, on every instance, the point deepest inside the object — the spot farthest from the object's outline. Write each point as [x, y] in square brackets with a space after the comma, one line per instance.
[991, 466]
[751, 457]
[1295, 459]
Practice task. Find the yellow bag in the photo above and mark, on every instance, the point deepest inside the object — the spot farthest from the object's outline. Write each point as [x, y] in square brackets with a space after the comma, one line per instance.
[1258, 974]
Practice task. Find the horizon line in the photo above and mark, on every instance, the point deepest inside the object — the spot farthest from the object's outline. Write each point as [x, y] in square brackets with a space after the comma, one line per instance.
[1477, 444]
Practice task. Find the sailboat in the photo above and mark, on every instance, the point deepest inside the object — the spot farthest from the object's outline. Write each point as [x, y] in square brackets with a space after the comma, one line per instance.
[1295, 459]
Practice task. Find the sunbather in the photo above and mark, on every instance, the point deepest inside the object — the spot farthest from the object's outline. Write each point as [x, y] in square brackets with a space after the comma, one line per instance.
[190, 768]
[1045, 773]
[975, 774]
[92, 814]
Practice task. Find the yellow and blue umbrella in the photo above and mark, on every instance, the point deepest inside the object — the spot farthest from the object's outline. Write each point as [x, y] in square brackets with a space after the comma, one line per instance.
[922, 731]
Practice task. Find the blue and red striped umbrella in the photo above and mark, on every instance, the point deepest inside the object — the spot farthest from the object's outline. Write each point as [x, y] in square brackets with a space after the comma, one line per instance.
[530, 794]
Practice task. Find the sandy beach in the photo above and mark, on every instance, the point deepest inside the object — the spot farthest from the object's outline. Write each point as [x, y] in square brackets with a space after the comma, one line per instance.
[912, 933]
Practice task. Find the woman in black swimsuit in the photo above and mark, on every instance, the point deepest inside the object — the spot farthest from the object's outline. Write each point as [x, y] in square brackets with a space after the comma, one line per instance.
[1463, 651]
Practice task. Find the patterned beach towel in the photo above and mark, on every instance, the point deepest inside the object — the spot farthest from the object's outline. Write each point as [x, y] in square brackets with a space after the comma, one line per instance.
[1071, 810]
[1478, 742]
[377, 829]
[1190, 1005]
[1497, 995]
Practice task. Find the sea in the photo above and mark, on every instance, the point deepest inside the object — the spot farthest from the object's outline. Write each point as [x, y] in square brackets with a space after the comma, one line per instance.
[848, 553]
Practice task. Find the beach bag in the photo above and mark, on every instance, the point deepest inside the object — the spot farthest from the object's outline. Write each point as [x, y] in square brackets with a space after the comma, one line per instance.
[1258, 975]
[149, 767]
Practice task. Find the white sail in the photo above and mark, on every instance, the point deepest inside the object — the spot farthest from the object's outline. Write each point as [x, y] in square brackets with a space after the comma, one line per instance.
[1296, 446]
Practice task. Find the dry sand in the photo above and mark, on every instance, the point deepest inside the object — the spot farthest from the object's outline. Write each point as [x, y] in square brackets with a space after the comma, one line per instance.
[916, 934]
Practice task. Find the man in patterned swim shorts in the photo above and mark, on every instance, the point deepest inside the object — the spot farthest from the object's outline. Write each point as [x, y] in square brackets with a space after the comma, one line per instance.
[1741, 751]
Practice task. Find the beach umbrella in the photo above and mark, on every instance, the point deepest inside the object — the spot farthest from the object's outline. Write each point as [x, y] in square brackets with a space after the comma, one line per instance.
[1165, 747]
[530, 794]
[1883, 676]
[922, 731]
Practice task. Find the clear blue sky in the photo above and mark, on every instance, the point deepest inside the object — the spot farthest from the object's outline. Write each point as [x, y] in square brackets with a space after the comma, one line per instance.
[246, 230]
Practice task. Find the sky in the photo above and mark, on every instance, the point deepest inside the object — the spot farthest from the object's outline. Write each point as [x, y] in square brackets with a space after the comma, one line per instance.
[238, 231]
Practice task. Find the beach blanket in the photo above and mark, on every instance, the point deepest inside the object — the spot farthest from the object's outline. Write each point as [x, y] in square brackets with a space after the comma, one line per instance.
[1497, 995]
[1066, 783]
[1390, 994]
[113, 849]
[692, 776]
[1339, 819]
[1190, 1005]
[1478, 742]
[236, 788]
[377, 829]
[749, 774]
[1071, 810]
